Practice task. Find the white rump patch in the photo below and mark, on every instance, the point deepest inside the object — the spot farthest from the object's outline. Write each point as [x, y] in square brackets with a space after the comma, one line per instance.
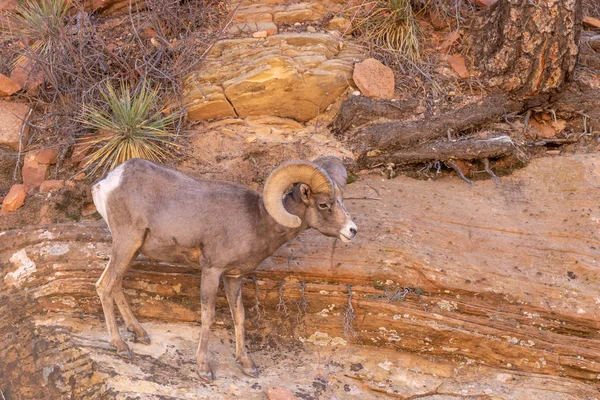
[102, 189]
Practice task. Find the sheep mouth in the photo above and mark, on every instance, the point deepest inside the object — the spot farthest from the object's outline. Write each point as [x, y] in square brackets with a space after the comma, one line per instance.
[345, 238]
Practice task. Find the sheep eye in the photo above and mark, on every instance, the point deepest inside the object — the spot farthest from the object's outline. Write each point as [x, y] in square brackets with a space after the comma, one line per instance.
[323, 206]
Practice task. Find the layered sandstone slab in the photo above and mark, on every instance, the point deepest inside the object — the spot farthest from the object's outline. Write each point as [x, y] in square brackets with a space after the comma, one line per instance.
[456, 291]
[292, 75]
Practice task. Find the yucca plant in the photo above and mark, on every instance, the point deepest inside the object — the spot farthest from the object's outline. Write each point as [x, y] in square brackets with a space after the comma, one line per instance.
[128, 125]
[390, 24]
[40, 22]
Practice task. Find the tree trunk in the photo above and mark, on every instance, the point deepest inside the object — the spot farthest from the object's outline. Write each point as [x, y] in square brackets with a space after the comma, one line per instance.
[528, 47]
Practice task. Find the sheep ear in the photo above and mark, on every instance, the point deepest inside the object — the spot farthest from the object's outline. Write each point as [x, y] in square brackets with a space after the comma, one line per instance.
[305, 193]
[336, 170]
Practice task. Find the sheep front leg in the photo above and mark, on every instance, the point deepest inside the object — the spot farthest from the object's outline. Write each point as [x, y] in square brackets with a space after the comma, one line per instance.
[233, 290]
[208, 295]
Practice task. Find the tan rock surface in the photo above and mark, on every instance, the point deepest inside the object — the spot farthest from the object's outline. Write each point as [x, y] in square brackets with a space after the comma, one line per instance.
[293, 76]
[491, 293]
[12, 117]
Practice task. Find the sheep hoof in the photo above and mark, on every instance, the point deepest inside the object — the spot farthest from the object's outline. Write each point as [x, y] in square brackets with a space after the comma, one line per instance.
[122, 349]
[251, 371]
[124, 353]
[206, 375]
[143, 339]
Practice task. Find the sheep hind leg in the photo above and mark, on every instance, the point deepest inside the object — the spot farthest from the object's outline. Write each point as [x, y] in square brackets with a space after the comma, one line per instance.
[208, 296]
[122, 255]
[131, 321]
[233, 291]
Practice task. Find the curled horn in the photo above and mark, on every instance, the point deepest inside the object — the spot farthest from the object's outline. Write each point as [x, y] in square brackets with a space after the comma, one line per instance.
[335, 169]
[287, 174]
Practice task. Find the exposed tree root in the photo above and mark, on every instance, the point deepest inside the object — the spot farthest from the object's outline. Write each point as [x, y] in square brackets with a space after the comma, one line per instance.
[360, 110]
[281, 306]
[389, 136]
[349, 316]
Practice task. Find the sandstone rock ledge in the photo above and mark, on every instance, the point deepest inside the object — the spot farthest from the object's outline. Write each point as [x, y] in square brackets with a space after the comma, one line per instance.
[294, 75]
[501, 301]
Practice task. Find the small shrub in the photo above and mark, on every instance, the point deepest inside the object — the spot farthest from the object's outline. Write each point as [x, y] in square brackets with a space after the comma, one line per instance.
[130, 125]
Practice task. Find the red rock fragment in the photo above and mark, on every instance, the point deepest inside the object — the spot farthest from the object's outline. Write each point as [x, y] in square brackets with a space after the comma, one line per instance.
[374, 79]
[35, 167]
[485, 3]
[51, 185]
[15, 198]
[279, 393]
[457, 62]
[8, 86]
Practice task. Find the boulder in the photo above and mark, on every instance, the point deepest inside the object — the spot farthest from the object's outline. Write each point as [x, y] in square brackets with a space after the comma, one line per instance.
[8, 86]
[260, 34]
[43, 156]
[12, 118]
[249, 27]
[276, 86]
[374, 79]
[300, 12]
[15, 198]
[292, 76]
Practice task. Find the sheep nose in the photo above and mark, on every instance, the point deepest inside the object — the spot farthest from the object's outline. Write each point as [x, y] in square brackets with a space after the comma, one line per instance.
[353, 231]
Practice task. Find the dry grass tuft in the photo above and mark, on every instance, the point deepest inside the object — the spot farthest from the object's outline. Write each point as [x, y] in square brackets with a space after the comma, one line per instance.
[390, 24]
[591, 8]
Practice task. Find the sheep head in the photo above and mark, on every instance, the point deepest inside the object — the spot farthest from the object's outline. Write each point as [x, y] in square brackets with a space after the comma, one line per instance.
[320, 186]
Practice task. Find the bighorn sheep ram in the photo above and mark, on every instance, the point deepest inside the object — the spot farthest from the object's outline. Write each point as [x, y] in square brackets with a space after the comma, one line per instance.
[226, 227]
